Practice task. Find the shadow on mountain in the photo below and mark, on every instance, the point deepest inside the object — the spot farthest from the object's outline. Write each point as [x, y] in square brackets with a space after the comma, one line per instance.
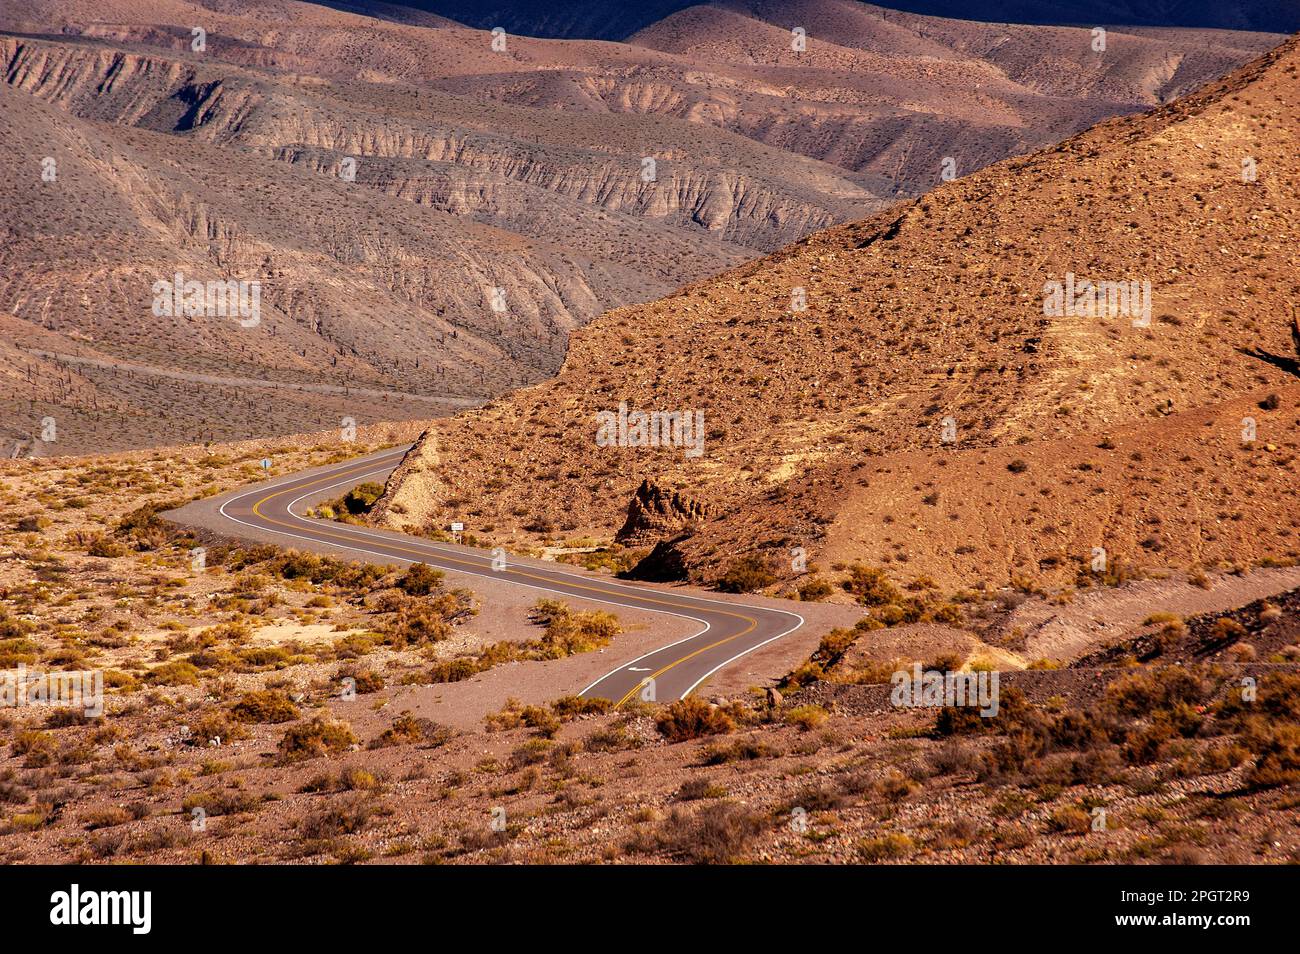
[1289, 365]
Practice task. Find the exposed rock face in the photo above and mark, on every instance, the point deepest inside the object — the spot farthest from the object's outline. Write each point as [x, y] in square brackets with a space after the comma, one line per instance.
[655, 514]
[413, 496]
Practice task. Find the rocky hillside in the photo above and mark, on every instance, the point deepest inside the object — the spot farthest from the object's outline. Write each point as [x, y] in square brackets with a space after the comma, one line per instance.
[427, 218]
[915, 391]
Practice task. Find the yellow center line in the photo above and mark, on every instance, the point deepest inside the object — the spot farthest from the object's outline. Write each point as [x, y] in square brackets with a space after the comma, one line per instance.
[532, 576]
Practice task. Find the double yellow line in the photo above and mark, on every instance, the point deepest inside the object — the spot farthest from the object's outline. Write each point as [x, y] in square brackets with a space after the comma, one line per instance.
[327, 532]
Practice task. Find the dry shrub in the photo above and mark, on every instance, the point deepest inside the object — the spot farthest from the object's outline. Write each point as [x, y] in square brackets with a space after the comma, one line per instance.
[719, 833]
[408, 729]
[309, 740]
[173, 674]
[264, 706]
[806, 717]
[739, 750]
[221, 802]
[871, 586]
[746, 575]
[105, 817]
[214, 728]
[1277, 755]
[453, 670]
[568, 633]
[885, 848]
[692, 718]
[347, 817]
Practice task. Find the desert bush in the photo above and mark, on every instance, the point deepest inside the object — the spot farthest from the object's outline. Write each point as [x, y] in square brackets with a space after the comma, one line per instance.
[568, 633]
[1221, 758]
[102, 545]
[214, 728]
[62, 718]
[428, 619]
[719, 833]
[612, 738]
[1070, 820]
[143, 529]
[806, 716]
[568, 707]
[953, 758]
[530, 753]
[105, 817]
[895, 787]
[694, 789]
[31, 741]
[885, 848]
[1277, 755]
[692, 718]
[362, 498]
[746, 574]
[175, 673]
[871, 586]
[347, 817]
[739, 750]
[815, 589]
[264, 706]
[221, 802]
[408, 729]
[308, 740]
[453, 670]
[420, 579]
[1141, 692]
[364, 681]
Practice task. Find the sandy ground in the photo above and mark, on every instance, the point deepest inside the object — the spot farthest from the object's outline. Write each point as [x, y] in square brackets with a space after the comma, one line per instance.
[1101, 615]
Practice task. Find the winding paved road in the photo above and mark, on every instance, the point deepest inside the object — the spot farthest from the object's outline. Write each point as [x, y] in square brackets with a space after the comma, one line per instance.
[272, 512]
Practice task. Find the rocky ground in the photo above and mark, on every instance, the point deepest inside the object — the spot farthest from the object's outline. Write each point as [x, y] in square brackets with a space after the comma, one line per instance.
[278, 708]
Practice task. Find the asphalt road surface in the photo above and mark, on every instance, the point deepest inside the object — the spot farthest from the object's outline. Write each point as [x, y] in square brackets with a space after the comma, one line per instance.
[271, 511]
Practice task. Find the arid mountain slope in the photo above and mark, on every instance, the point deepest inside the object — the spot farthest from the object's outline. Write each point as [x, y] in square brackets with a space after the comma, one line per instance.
[382, 177]
[886, 95]
[930, 408]
[168, 159]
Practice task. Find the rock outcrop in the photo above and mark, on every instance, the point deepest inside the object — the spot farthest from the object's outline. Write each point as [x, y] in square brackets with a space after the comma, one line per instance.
[655, 514]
